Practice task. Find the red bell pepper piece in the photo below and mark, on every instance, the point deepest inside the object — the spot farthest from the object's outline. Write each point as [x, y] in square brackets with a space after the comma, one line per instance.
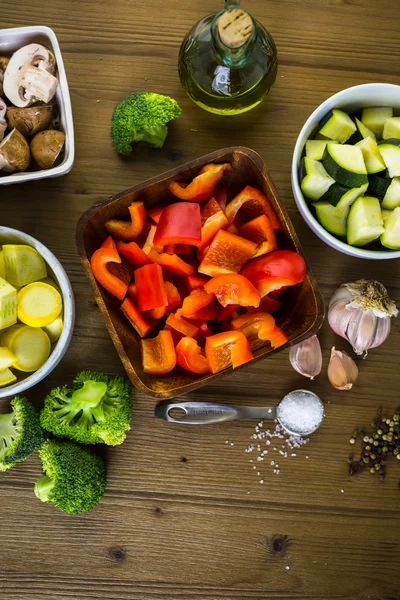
[109, 243]
[202, 186]
[278, 337]
[178, 249]
[258, 323]
[174, 301]
[221, 195]
[277, 293]
[149, 242]
[121, 270]
[196, 300]
[272, 271]
[193, 282]
[140, 323]
[269, 305]
[233, 228]
[98, 263]
[204, 328]
[180, 327]
[211, 208]
[129, 230]
[260, 230]
[155, 213]
[233, 289]
[225, 312]
[133, 253]
[189, 357]
[150, 287]
[171, 263]
[180, 223]
[207, 313]
[211, 227]
[249, 204]
[226, 349]
[158, 354]
[227, 253]
[132, 292]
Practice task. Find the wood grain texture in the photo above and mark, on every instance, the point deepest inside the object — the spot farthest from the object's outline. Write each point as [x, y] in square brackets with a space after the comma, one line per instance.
[177, 521]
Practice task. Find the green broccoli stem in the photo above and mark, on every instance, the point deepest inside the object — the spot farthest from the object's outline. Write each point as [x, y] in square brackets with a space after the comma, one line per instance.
[153, 135]
[44, 488]
[7, 430]
[91, 394]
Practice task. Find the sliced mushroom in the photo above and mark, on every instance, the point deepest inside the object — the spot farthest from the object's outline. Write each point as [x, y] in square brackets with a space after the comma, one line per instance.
[30, 120]
[29, 76]
[14, 152]
[46, 146]
[4, 60]
[3, 122]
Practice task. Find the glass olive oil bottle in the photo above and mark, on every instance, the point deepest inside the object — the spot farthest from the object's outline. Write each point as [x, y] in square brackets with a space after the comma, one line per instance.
[228, 61]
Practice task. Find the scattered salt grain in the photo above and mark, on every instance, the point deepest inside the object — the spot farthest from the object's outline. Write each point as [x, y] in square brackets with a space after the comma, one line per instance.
[261, 480]
[287, 568]
[232, 444]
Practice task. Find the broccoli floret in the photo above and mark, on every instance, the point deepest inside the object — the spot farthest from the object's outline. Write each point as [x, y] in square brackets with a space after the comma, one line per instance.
[142, 117]
[20, 433]
[75, 477]
[97, 409]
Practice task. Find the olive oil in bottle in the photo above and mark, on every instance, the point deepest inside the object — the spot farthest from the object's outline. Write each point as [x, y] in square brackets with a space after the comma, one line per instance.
[228, 61]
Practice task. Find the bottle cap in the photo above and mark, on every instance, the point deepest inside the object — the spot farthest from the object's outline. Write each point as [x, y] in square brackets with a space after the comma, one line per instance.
[235, 27]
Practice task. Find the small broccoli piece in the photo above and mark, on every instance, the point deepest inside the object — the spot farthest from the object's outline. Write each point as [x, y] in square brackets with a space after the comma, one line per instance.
[142, 117]
[75, 477]
[97, 409]
[20, 433]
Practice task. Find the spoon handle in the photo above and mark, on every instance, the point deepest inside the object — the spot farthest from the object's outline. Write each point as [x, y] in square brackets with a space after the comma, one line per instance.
[207, 413]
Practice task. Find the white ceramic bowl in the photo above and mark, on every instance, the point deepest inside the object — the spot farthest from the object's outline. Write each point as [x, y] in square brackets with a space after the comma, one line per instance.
[15, 38]
[351, 99]
[55, 271]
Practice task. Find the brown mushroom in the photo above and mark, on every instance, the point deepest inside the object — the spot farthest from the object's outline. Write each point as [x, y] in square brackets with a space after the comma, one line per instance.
[4, 60]
[14, 152]
[29, 76]
[46, 146]
[30, 120]
[3, 122]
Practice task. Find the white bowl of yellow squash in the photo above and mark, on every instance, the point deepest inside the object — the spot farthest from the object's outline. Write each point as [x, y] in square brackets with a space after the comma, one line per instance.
[37, 311]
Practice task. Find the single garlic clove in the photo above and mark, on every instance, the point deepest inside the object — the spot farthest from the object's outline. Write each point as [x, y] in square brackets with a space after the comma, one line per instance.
[361, 330]
[342, 370]
[306, 357]
[382, 331]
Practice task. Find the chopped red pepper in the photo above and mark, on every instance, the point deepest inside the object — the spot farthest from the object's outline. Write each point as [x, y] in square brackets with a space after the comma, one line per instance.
[155, 213]
[227, 253]
[141, 324]
[211, 208]
[220, 195]
[180, 327]
[225, 312]
[202, 186]
[171, 263]
[109, 243]
[174, 301]
[272, 271]
[149, 243]
[233, 289]
[178, 249]
[150, 287]
[258, 323]
[99, 261]
[180, 223]
[129, 230]
[260, 230]
[204, 328]
[249, 204]
[189, 357]
[193, 282]
[121, 270]
[277, 337]
[211, 227]
[226, 349]
[196, 300]
[233, 228]
[207, 313]
[133, 253]
[277, 293]
[158, 354]
[132, 292]
[270, 305]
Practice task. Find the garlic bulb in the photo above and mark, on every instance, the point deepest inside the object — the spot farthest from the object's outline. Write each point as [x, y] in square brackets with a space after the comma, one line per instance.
[360, 312]
[306, 357]
[342, 370]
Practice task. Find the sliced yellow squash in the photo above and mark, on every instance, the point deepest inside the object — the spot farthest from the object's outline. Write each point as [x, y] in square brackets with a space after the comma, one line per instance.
[7, 358]
[38, 304]
[8, 336]
[8, 304]
[30, 345]
[23, 264]
[2, 267]
[54, 330]
[6, 377]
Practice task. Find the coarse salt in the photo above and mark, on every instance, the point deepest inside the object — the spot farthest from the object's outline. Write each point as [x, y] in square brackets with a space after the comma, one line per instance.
[300, 412]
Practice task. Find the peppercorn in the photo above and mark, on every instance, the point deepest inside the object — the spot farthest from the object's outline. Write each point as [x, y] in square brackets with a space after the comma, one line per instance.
[373, 456]
[398, 456]
[385, 449]
[366, 459]
[350, 460]
[367, 448]
[377, 467]
[379, 432]
[389, 437]
[372, 471]
[384, 437]
[376, 443]
[352, 440]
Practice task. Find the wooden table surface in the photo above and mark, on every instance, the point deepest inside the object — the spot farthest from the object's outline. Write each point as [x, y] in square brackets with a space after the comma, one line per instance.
[184, 515]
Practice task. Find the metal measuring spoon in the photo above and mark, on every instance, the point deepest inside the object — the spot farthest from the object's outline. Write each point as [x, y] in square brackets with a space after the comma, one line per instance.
[207, 413]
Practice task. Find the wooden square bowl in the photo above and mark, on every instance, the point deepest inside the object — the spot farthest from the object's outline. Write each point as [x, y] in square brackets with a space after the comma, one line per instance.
[300, 317]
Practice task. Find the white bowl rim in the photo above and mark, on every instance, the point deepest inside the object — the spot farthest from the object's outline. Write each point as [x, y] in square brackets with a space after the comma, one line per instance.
[302, 204]
[69, 314]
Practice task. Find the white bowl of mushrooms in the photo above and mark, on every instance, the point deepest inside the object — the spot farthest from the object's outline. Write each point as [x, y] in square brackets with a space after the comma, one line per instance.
[36, 127]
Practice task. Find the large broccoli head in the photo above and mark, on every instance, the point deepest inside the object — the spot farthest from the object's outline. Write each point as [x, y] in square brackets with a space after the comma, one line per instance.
[142, 117]
[20, 433]
[97, 409]
[75, 477]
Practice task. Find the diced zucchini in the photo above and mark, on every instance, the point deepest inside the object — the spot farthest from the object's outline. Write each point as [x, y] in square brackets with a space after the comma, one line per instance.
[337, 125]
[372, 157]
[335, 193]
[332, 220]
[364, 224]
[342, 197]
[378, 186]
[345, 164]
[391, 237]
[374, 118]
[391, 199]
[2, 267]
[315, 149]
[8, 304]
[317, 180]
[391, 128]
[361, 133]
[385, 215]
[319, 136]
[23, 264]
[390, 151]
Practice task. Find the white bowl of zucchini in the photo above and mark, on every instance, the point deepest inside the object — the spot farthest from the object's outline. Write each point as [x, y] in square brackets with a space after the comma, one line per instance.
[37, 311]
[346, 171]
